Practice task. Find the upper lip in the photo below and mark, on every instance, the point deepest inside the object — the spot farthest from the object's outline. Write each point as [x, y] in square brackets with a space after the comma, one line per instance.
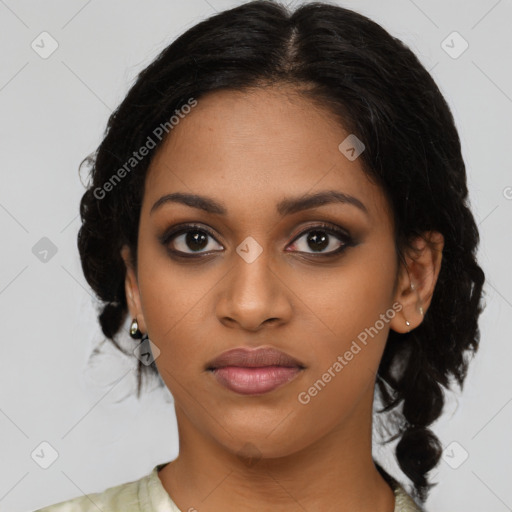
[253, 357]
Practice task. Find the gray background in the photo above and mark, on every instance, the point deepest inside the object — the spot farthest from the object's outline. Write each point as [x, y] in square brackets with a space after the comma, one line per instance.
[53, 113]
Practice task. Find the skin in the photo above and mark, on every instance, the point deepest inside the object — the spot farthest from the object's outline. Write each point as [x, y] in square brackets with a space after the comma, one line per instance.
[248, 151]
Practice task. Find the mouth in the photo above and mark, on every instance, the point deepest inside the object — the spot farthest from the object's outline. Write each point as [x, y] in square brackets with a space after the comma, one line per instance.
[254, 371]
[254, 380]
[254, 358]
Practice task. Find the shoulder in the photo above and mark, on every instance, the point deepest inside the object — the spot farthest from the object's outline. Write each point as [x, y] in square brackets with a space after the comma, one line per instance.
[135, 496]
[403, 501]
[119, 497]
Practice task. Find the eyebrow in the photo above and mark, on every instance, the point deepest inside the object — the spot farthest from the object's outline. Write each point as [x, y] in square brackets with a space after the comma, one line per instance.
[286, 206]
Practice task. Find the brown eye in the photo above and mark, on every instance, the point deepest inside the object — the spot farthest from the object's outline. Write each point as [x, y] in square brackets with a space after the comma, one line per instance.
[190, 240]
[320, 238]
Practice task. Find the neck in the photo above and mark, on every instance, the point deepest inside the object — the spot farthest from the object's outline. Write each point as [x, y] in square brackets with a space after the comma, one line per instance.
[335, 473]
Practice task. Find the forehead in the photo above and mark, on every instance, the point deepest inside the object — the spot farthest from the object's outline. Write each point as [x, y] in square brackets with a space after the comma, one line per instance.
[256, 147]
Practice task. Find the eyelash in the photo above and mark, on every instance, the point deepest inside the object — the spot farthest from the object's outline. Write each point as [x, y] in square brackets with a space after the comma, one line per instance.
[168, 236]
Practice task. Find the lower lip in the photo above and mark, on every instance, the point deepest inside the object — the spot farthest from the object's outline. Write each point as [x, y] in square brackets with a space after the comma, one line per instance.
[252, 381]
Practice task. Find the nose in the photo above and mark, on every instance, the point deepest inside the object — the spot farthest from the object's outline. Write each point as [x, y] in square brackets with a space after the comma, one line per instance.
[252, 295]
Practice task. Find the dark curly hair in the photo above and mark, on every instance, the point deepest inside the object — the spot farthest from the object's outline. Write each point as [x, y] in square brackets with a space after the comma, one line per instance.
[379, 91]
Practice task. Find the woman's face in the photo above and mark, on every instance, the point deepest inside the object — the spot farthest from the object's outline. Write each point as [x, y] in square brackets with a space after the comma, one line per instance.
[256, 271]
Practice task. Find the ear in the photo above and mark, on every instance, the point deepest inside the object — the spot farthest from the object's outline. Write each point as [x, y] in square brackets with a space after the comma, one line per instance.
[132, 290]
[417, 279]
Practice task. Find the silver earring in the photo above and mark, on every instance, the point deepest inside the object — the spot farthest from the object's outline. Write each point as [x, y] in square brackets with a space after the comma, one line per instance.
[134, 330]
[407, 323]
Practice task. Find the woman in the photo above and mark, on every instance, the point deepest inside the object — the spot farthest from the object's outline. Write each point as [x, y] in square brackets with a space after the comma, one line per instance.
[280, 205]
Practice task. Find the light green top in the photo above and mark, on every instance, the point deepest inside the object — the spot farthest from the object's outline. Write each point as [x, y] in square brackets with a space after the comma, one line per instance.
[149, 495]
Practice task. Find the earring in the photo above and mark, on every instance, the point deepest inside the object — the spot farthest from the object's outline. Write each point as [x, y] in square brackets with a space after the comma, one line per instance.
[412, 285]
[407, 323]
[421, 311]
[134, 330]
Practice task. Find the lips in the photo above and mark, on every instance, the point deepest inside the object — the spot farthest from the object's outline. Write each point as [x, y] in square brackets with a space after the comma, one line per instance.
[254, 371]
[254, 358]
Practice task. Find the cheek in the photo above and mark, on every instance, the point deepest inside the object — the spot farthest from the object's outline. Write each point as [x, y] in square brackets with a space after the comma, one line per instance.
[350, 297]
[173, 302]
[353, 310]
